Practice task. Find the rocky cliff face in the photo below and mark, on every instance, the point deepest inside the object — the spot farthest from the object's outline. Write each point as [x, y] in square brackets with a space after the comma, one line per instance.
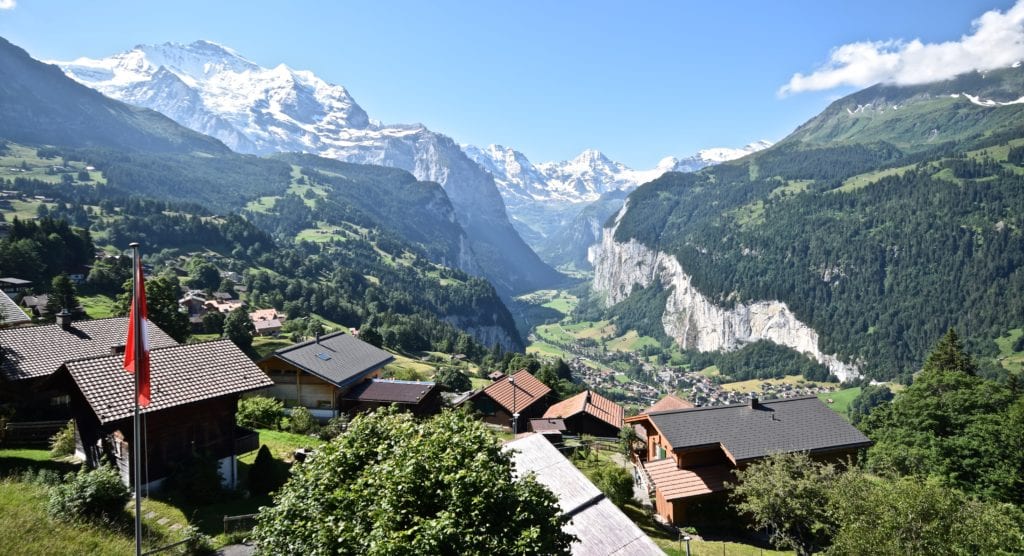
[690, 318]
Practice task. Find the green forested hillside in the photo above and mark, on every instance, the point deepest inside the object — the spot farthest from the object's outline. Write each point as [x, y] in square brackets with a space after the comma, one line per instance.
[877, 247]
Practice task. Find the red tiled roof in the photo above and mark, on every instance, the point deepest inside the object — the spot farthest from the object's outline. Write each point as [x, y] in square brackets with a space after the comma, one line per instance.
[527, 391]
[668, 403]
[591, 403]
[674, 483]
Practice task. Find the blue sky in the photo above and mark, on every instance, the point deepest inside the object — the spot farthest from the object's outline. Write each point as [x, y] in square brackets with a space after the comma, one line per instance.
[637, 80]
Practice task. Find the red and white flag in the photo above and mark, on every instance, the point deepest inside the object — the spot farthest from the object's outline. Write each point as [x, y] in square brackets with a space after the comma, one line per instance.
[137, 320]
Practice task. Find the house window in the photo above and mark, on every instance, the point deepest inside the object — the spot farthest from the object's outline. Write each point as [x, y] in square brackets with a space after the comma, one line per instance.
[60, 401]
[661, 452]
[323, 404]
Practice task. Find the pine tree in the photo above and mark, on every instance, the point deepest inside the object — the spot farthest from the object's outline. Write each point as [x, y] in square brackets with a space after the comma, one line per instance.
[62, 295]
[949, 355]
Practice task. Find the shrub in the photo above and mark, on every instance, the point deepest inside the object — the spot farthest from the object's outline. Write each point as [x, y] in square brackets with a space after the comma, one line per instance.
[95, 495]
[197, 479]
[615, 482]
[196, 542]
[63, 443]
[302, 421]
[259, 412]
[333, 428]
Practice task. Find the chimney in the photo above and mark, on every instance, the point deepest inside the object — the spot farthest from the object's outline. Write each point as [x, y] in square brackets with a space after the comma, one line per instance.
[64, 318]
[117, 349]
[316, 338]
[753, 401]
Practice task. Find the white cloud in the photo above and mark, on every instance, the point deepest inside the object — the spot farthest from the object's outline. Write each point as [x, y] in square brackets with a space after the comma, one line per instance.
[8, 4]
[996, 41]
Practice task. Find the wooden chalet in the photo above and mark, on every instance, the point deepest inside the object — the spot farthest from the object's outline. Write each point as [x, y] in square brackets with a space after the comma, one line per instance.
[195, 390]
[14, 286]
[668, 402]
[419, 398]
[518, 393]
[588, 413]
[318, 373]
[29, 355]
[551, 429]
[600, 527]
[690, 453]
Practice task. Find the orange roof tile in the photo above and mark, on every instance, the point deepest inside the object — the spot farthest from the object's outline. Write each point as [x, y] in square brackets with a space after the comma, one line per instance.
[527, 391]
[668, 403]
[674, 483]
[591, 403]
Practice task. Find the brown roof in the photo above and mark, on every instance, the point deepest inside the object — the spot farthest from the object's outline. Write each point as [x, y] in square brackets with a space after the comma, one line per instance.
[390, 391]
[590, 403]
[547, 425]
[264, 314]
[179, 375]
[528, 390]
[669, 402]
[674, 483]
[37, 351]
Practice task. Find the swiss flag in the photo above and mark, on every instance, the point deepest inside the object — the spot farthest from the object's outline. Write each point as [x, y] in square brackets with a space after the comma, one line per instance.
[137, 321]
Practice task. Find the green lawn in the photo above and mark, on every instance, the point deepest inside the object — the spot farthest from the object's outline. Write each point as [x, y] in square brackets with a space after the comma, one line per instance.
[548, 350]
[1009, 359]
[98, 306]
[840, 399]
[754, 385]
[632, 341]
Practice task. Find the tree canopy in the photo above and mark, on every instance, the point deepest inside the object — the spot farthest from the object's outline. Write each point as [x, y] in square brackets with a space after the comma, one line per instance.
[392, 484]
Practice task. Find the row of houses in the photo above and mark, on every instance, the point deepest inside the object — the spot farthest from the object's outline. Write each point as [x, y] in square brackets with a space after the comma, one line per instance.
[74, 369]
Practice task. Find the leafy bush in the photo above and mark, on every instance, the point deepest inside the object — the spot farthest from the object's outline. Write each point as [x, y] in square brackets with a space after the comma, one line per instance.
[302, 421]
[615, 482]
[96, 495]
[334, 427]
[196, 542]
[259, 412]
[197, 479]
[63, 443]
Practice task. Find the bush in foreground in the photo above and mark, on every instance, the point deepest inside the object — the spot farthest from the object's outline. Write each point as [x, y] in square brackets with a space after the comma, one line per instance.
[258, 412]
[396, 485]
[97, 495]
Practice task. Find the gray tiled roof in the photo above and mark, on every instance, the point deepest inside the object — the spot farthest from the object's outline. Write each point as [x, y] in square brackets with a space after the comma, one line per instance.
[12, 314]
[390, 391]
[790, 425]
[179, 375]
[37, 351]
[600, 527]
[338, 358]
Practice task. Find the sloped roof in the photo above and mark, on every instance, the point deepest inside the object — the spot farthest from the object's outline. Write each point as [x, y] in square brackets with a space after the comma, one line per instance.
[669, 402]
[789, 425]
[12, 314]
[674, 483]
[600, 526]
[266, 324]
[547, 425]
[390, 391]
[338, 358]
[527, 388]
[37, 351]
[590, 403]
[179, 375]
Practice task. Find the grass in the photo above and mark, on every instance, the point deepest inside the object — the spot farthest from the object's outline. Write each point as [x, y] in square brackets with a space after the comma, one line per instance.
[1009, 359]
[265, 345]
[840, 399]
[711, 371]
[548, 350]
[632, 341]
[863, 180]
[98, 306]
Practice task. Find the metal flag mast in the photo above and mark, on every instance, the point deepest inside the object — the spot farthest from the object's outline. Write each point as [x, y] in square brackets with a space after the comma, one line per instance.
[136, 434]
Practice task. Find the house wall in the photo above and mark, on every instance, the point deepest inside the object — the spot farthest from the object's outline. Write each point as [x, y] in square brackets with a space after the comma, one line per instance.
[585, 423]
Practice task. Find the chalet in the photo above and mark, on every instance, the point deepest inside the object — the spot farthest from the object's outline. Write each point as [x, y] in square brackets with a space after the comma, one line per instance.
[225, 306]
[193, 302]
[267, 327]
[30, 354]
[14, 286]
[551, 429]
[690, 453]
[195, 390]
[316, 374]
[519, 394]
[10, 313]
[588, 413]
[266, 314]
[600, 527]
[36, 304]
[668, 402]
[419, 398]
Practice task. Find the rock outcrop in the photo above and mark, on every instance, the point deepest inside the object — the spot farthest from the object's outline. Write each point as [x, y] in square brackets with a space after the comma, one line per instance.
[690, 318]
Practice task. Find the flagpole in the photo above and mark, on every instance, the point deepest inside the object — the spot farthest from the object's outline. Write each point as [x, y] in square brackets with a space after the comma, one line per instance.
[137, 435]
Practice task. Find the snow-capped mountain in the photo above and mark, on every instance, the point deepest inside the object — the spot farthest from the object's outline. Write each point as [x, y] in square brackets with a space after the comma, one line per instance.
[212, 89]
[585, 178]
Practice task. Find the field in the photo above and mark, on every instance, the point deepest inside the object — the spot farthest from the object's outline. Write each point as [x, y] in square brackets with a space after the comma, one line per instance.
[98, 306]
[1009, 359]
[754, 385]
[840, 399]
